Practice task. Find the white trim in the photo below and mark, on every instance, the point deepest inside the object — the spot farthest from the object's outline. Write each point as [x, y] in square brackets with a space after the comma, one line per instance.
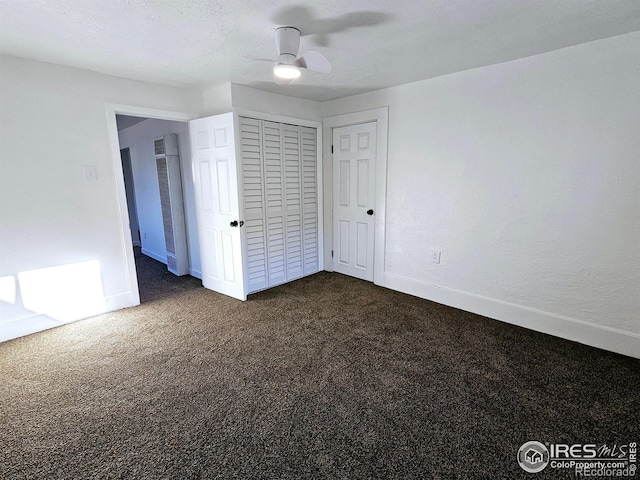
[35, 322]
[195, 273]
[27, 325]
[607, 338]
[244, 112]
[131, 297]
[119, 109]
[381, 117]
[154, 255]
[117, 302]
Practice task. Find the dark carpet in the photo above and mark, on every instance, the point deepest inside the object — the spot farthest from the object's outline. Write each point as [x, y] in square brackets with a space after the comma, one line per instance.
[327, 377]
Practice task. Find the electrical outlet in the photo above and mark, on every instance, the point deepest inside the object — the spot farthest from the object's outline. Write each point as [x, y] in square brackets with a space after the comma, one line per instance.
[435, 256]
[90, 173]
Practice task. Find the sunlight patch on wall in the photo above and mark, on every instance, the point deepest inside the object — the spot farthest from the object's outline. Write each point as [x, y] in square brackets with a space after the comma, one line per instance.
[65, 293]
[8, 289]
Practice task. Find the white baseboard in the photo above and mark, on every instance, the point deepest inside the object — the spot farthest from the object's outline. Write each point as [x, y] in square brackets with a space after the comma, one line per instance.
[195, 273]
[607, 338]
[33, 322]
[27, 326]
[155, 256]
[120, 301]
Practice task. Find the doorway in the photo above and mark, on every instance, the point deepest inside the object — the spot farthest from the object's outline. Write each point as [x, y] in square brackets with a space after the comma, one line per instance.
[356, 161]
[145, 184]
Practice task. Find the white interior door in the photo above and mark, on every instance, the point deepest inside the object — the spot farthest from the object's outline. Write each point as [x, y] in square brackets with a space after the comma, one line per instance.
[354, 168]
[217, 204]
[129, 188]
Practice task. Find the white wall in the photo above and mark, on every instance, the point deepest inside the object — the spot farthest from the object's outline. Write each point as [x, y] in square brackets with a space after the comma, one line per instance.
[217, 100]
[53, 123]
[526, 175]
[240, 97]
[252, 99]
[139, 138]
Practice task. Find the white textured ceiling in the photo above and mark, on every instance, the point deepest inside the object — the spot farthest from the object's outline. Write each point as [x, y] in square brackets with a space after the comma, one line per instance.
[371, 43]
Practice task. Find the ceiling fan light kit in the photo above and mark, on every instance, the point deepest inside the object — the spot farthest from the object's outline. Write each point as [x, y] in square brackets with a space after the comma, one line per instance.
[288, 72]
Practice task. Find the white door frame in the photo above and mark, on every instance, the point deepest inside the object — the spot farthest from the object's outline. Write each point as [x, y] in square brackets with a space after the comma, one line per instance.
[131, 297]
[381, 117]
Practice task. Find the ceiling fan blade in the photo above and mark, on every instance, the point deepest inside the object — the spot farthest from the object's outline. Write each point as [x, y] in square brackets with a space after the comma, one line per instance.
[282, 81]
[314, 61]
[259, 59]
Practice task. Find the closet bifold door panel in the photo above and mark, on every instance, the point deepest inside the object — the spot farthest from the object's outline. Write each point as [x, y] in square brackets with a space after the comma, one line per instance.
[293, 200]
[274, 203]
[280, 201]
[309, 200]
[254, 212]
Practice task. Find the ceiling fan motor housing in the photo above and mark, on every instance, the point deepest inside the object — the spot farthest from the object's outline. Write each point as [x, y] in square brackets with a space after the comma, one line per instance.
[288, 44]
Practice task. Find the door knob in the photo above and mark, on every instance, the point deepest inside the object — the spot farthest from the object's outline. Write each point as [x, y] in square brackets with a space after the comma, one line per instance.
[241, 222]
[369, 212]
[234, 223]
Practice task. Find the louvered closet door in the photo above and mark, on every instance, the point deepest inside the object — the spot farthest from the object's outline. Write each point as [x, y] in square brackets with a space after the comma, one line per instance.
[309, 199]
[254, 213]
[293, 198]
[280, 201]
[274, 202]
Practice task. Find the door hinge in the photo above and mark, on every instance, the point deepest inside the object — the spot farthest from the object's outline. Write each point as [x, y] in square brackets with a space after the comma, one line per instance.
[331, 253]
[331, 148]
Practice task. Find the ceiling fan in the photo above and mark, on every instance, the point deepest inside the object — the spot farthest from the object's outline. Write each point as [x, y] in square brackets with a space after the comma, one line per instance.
[288, 65]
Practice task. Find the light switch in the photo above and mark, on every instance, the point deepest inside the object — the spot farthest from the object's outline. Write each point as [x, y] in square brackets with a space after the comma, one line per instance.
[90, 173]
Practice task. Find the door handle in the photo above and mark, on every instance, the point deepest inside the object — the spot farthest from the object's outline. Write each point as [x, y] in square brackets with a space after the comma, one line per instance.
[369, 212]
[234, 223]
[241, 222]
